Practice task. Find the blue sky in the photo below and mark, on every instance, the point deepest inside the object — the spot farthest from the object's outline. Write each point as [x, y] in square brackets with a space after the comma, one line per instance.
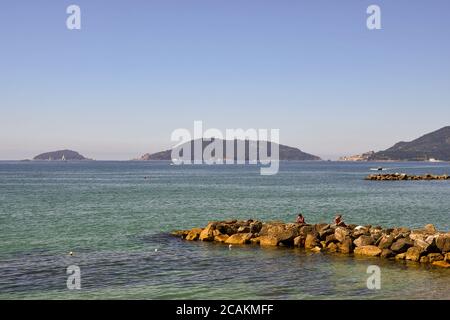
[137, 70]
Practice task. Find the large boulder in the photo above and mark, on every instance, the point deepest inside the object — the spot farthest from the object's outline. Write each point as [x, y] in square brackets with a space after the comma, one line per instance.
[228, 228]
[418, 235]
[221, 238]
[441, 264]
[431, 239]
[376, 234]
[321, 227]
[341, 233]
[364, 241]
[239, 238]
[330, 238]
[386, 241]
[443, 243]
[244, 223]
[268, 241]
[311, 241]
[299, 241]
[376, 229]
[283, 232]
[359, 231]
[325, 232]
[413, 254]
[429, 228]
[307, 229]
[332, 247]
[290, 232]
[372, 251]
[400, 256]
[401, 245]
[268, 226]
[387, 253]
[423, 234]
[207, 234]
[194, 234]
[243, 229]
[255, 226]
[435, 257]
[424, 245]
[401, 232]
[345, 246]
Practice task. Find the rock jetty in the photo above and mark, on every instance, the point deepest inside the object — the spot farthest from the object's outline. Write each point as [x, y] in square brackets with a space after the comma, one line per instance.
[404, 176]
[426, 245]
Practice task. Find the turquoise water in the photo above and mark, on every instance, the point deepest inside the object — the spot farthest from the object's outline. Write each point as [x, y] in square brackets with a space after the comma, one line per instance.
[113, 220]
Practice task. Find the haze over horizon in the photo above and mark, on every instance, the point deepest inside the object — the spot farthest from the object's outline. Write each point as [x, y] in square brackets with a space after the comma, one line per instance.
[117, 88]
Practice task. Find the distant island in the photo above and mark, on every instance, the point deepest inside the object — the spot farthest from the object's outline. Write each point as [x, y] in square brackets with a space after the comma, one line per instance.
[285, 152]
[60, 155]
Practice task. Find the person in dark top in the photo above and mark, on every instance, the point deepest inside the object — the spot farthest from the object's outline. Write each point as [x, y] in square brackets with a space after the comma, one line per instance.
[300, 219]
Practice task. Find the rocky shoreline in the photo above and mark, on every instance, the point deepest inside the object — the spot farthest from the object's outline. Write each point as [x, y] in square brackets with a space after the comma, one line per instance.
[404, 176]
[426, 245]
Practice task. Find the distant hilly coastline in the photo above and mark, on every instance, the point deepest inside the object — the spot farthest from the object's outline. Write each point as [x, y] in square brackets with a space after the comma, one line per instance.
[61, 155]
[431, 146]
[285, 152]
[434, 146]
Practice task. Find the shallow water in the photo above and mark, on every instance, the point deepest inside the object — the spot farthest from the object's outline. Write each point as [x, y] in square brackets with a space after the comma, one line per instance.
[113, 220]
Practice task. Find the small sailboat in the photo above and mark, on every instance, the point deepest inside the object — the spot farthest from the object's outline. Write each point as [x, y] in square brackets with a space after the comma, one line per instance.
[63, 158]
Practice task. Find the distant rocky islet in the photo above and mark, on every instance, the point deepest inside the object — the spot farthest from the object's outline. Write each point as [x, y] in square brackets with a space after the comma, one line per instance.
[61, 155]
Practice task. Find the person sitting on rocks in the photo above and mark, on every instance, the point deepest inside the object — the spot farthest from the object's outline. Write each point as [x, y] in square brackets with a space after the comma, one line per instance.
[300, 219]
[338, 221]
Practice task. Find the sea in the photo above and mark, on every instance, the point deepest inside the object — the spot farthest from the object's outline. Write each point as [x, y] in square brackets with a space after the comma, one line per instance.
[116, 218]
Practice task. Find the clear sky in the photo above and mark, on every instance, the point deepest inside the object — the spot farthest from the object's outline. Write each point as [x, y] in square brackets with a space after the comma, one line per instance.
[137, 70]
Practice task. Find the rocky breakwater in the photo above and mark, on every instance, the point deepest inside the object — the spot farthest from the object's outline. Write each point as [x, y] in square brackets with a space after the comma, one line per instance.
[426, 245]
[404, 176]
